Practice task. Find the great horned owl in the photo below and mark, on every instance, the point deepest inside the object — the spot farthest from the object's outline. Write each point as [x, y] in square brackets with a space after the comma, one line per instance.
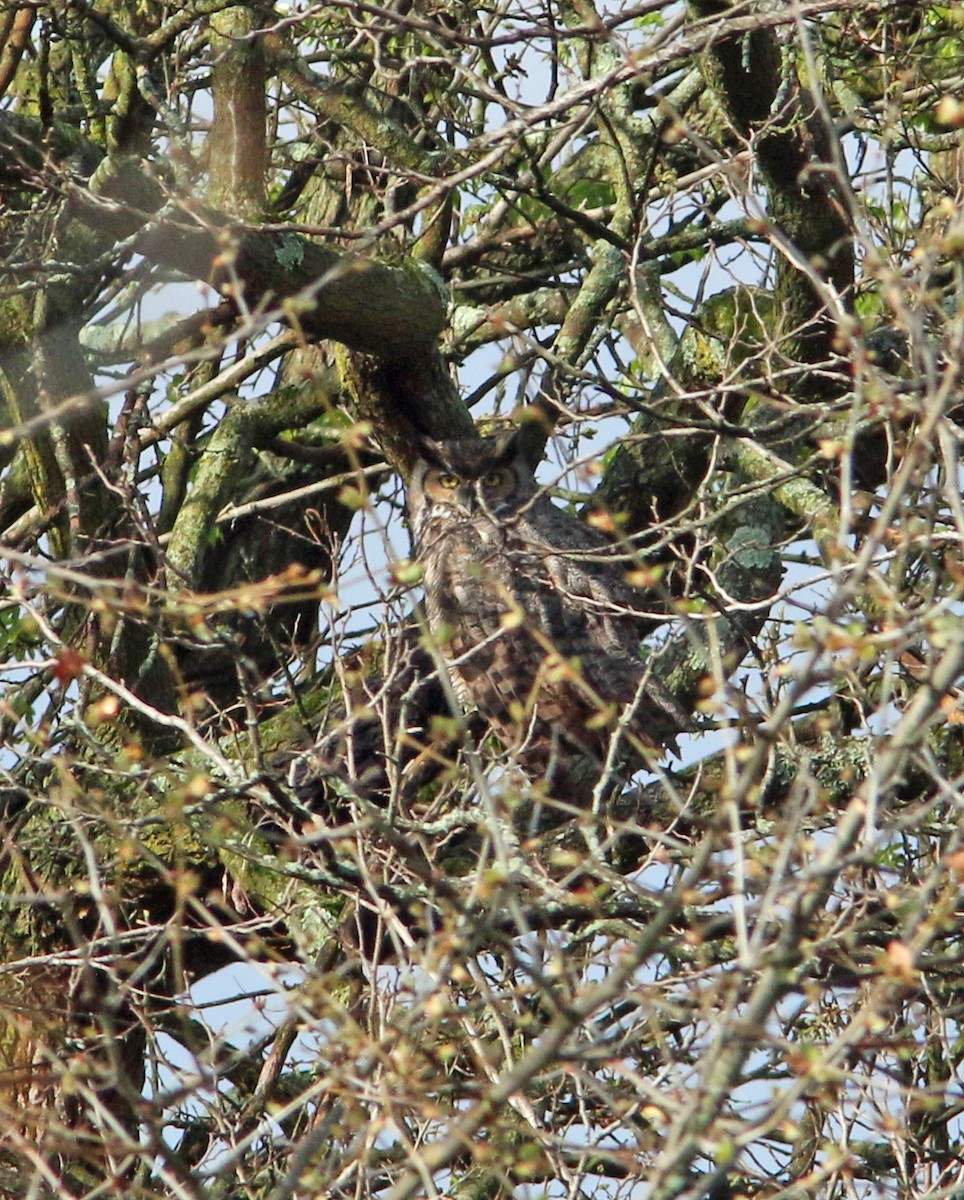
[533, 616]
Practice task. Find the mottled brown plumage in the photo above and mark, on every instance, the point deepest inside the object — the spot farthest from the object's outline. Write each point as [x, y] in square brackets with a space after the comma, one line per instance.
[532, 613]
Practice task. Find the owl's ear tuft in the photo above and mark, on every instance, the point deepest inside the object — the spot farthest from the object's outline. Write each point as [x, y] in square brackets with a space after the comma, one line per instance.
[429, 449]
[528, 442]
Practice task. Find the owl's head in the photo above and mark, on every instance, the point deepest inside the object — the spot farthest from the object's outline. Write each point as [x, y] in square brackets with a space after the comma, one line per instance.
[466, 477]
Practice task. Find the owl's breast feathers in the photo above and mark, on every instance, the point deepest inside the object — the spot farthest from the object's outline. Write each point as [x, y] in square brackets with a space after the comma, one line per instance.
[538, 635]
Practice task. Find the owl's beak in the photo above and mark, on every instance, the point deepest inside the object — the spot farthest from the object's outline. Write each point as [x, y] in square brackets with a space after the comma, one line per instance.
[468, 501]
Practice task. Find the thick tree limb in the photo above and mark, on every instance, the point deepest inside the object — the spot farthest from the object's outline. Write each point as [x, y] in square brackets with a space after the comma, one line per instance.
[395, 312]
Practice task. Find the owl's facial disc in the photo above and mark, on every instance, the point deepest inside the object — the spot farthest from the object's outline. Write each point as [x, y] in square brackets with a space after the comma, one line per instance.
[496, 489]
[445, 488]
[469, 493]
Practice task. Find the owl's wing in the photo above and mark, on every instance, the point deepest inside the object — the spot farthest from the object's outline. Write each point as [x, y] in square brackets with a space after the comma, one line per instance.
[599, 612]
[581, 562]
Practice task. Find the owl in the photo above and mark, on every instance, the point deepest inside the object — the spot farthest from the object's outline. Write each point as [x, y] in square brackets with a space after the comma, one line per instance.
[530, 610]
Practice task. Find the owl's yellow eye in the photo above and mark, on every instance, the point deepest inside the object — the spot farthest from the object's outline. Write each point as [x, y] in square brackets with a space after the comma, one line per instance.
[448, 481]
[493, 479]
